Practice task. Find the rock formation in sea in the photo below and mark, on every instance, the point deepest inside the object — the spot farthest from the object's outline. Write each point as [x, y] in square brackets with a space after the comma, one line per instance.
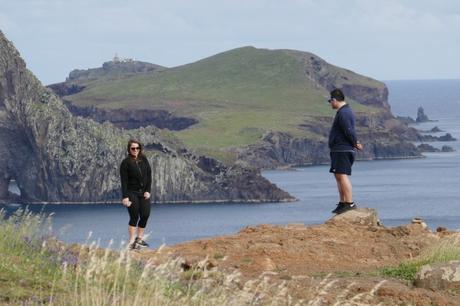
[421, 116]
[56, 157]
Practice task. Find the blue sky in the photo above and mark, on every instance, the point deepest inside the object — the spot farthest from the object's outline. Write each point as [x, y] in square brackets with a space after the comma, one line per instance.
[391, 39]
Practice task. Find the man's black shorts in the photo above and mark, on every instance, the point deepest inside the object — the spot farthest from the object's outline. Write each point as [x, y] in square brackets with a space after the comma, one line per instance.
[341, 162]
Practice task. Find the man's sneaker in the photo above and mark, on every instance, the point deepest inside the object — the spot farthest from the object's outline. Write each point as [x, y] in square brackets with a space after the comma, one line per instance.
[345, 207]
[339, 207]
[141, 243]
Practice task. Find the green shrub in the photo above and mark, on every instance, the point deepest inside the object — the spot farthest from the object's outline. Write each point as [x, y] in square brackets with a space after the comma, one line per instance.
[446, 250]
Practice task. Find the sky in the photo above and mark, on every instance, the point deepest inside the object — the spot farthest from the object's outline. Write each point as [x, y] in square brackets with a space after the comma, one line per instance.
[385, 40]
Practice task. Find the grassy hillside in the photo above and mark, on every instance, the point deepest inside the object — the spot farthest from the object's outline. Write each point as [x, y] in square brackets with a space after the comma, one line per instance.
[236, 96]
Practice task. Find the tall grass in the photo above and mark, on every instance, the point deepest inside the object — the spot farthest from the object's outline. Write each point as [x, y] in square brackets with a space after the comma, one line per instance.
[26, 270]
[37, 269]
[446, 250]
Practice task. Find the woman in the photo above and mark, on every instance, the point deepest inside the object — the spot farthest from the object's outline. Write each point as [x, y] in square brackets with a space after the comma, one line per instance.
[136, 181]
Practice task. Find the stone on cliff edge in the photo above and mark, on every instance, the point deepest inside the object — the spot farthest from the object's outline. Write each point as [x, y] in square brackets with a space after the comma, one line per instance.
[361, 216]
[439, 277]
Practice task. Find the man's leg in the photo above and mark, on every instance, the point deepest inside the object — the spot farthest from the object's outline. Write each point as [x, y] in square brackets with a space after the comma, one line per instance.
[344, 186]
[339, 188]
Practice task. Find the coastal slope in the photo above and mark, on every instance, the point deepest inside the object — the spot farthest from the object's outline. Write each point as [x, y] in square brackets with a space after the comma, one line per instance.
[345, 261]
[265, 108]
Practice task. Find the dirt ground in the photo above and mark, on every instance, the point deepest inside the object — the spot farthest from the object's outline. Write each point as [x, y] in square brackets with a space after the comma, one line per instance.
[332, 263]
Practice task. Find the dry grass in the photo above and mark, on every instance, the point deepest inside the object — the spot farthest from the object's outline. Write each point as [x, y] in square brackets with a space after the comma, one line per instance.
[37, 269]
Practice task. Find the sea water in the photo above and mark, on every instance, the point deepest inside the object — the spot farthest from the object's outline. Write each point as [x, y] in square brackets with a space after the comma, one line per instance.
[398, 189]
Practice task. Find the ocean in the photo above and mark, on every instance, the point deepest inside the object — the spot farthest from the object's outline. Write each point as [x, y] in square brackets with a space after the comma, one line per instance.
[398, 189]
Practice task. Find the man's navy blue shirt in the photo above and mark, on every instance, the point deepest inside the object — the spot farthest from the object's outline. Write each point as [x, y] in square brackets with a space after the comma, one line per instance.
[342, 137]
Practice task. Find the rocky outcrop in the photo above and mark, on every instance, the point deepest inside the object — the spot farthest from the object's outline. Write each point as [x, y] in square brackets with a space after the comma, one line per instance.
[336, 263]
[446, 137]
[359, 216]
[406, 120]
[436, 129]
[352, 241]
[424, 147]
[439, 277]
[421, 116]
[113, 70]
[133, 118]
[447, 149]
[65, 89]
[56, 157]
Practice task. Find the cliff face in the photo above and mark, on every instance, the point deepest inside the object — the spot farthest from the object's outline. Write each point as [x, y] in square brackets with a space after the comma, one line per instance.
[359, 88]
[277, 150]
[56, 157]
[383, 137]
[133, 118]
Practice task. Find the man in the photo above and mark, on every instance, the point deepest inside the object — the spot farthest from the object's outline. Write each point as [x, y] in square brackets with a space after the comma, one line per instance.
[342, 145]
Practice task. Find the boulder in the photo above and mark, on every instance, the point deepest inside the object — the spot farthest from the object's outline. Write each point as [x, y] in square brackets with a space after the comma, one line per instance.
[359, 216]
[439, 277]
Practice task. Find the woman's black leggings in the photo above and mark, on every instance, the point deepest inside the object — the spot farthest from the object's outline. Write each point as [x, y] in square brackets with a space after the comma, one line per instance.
[139, 211]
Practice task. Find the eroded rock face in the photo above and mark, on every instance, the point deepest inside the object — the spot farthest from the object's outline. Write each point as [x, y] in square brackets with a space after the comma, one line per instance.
[56, 157]
[331, 77]
[133, 118]
[278, 149]
[439, 277]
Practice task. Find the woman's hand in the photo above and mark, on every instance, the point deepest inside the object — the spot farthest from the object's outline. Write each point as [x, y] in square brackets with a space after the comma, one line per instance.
[147, 195]
[126, 202]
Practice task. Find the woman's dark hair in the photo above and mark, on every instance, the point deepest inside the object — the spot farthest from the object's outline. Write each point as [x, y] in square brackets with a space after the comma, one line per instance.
[338, 95]
[130, 142]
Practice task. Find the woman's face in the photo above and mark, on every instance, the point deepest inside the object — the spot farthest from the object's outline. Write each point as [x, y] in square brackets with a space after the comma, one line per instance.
[134, 149]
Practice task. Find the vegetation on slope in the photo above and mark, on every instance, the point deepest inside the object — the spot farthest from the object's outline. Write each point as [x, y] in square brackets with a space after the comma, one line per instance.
[37, 270]
[236, 96]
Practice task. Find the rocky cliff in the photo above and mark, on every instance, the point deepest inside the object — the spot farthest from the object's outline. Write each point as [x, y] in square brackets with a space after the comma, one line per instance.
[56, 157]
[383, 138]
[133, 118]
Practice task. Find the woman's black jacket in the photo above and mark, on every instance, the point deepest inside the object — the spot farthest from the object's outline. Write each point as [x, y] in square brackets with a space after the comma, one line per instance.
[136, 175]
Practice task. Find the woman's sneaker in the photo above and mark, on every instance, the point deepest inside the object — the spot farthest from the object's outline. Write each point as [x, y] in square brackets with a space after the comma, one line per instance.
[134, 246]
[141, 243]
